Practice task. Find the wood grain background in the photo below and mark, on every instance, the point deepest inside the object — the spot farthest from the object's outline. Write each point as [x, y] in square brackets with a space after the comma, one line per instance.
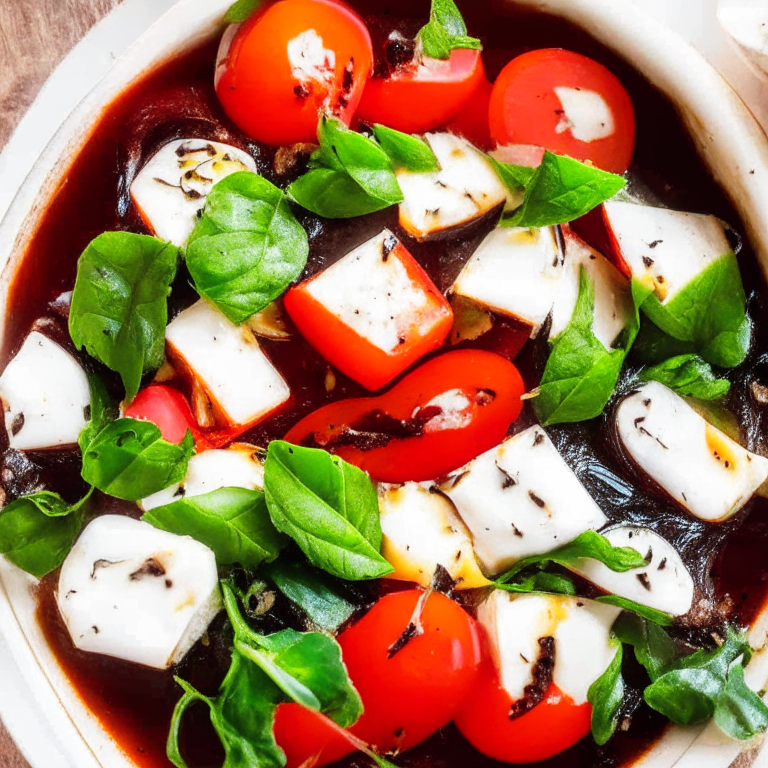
[34, 36]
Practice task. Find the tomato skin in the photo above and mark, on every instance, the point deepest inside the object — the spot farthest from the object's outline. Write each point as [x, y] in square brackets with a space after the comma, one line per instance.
[472, 120]
[415, 99]
[254, 69]
[432, 454]
[525, 109]
[550, 728]
[303, 735]
[167, 408]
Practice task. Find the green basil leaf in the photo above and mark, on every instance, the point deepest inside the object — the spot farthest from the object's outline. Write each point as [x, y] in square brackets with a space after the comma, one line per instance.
[514, 177]
[654, 648]
[606, 696]
[130, 460]
[103, 411]
[739, 712]
[652, 614]
[120, 303]
[328, 507]
[562, 189]
[312, 591]
[688, 375]
[248, 246]
[405, 151]
[241, 11]
[38, 531]
[233, 522]
[445, 31]
[708, 317]
[541, 581]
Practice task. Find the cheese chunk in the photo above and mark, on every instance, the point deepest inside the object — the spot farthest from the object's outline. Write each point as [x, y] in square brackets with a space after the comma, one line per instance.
[170, 190]
[464, 189]
[134, 592]
[700, 467]
[228, 363]
[237, 466]
[586, 114]
[580, 628]
[521, 499]
[663, 582]
[45, 394]
[421, 530]
[664, 249]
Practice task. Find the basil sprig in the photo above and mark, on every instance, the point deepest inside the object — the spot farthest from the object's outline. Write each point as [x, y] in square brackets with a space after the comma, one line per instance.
[247, 247]
[328, 507]
[445, 31]
[688, 375]
[405, 151]
[120, 303]
[606, 695]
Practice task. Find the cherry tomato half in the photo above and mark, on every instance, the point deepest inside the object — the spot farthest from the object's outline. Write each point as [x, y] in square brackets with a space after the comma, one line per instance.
[551, 727]
[306, 736]
[421, 96]
[289, 62]
[169, 410]
[439, 417]
[566, 103]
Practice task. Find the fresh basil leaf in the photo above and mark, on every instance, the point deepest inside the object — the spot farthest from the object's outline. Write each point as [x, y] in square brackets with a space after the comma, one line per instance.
[241, 11]
[654, 648]
[562, 189]
[688, 375]
[541, 581]
[120, 303]
[445, 31]
[103, 411]
[248, 246]
[652, 614]
[739, 712]
[606, 696]
[130, 460]
[514, 177]
[312, 591]
[708, 317]
[328, 507]
[233, 522]
[405, 151]
[38, 531]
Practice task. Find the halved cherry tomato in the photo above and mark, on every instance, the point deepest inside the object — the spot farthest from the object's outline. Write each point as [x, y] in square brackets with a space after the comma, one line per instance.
[305, 736]
[169, 410]
[472, 120]
[299, 57]
[423, 95]
[551, 727]
[566, 103]
[439, 417]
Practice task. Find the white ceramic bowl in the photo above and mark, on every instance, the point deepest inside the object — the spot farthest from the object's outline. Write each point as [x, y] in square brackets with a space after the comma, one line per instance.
[730, 141]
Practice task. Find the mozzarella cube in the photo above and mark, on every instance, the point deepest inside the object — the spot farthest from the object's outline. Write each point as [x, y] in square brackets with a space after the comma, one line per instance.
[238, 466]
[171, 189]
[580, 628]
[700, 467]
[137, 593]
[663, 582]
[521, 499]
[421, 531]
[46, 396]
[464, 189]
[664, 249]
[228, 364]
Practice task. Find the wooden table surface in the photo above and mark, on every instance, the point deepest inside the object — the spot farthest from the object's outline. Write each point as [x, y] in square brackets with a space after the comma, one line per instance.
[34, 36]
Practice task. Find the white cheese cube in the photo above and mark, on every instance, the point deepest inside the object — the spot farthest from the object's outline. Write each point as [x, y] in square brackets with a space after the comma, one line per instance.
[700, 467]
[663, 582]
[580, 628]
[421, 530]
[464, 189]
[238, 466]
[45, 394]
[170, 190]
[228, 364]
[521, 499]
[137, 593]
[664, 249]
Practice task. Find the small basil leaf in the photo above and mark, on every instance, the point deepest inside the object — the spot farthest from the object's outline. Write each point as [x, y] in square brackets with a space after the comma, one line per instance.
[328, 507]
[739, 712]
[405, 151]
[541, 581]
[688, 375]
[130, 460]
[562, 189]
[445, 31]
[652, 614]
[241, 11]
[654, 648]
[247, 247]
[120, 303]
[233, 522]
[514, 177]
[606, 696]
[103, 411]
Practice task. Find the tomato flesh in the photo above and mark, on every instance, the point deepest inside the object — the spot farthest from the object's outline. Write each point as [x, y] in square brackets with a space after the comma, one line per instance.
[472, 120]
[168, 409]
[306, 737]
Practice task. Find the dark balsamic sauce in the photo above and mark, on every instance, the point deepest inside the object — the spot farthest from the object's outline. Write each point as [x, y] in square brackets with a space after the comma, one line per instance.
[727, 561]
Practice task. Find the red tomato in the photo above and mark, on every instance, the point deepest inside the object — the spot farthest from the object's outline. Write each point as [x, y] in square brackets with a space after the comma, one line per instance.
[526, 109]
[472, 121]
[548, 729]
[410, 434]
[421, 688]
[289, 62]
[304, 735]
[168, 409]
[421, 96]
